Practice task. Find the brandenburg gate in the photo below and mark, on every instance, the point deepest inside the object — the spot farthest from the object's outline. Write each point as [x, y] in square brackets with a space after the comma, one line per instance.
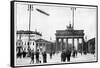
[62, 37]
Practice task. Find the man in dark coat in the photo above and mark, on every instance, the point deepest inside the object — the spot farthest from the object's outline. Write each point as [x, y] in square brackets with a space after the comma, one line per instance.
[19, 54]
[32, 56]
[44, 57]
[63, 56]
[68, 55]
[74, 53]
[24, 53]
[37, 56]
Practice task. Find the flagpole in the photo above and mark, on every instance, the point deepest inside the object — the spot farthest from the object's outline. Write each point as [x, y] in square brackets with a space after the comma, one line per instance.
[73, 12]
[30, 8]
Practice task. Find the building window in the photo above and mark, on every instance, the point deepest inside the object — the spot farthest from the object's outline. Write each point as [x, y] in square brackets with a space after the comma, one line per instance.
[25, 43]
[40, 44]
[36, 43]
[16, 43]
[28, 43]
[22, 43]
[33, 43]
[19, 43]
[44, 44]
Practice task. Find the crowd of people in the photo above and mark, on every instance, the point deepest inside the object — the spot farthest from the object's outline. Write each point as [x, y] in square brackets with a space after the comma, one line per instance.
[38, 57]
[41, 57]
[21, 52]
[66, 54]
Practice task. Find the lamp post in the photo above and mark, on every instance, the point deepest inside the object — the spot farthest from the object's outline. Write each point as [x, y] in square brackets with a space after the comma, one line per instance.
[30, 9]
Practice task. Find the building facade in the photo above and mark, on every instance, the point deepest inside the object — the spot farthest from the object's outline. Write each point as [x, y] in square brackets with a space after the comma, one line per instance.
[91, 46]
[26, 39]
[44, 45]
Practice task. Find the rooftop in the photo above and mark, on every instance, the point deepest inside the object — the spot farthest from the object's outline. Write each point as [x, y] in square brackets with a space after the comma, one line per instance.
[28, 32]
[43, 40]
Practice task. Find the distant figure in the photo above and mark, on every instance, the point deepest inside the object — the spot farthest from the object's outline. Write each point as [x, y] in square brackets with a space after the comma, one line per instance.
[44, 57]
[74, 53]
[40, 57]
[32, 57]
[68, 55]
[29, 52]
[50, 55]
[19, 54]
[37, 56]
[24, 53]
[53, 53]
[63, 56]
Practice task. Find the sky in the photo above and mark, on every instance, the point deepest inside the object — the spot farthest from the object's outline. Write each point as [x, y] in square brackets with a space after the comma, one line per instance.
[60, 17]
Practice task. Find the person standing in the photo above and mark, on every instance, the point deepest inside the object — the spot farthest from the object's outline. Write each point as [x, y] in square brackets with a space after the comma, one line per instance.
[24, 53]
[37, 56]
[63, 56]
[44, 57]
[68, 55]
[32, 57]
[50, 55]
[74, 53]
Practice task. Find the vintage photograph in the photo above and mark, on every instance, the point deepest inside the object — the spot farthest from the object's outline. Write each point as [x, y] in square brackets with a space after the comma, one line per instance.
[54, 33]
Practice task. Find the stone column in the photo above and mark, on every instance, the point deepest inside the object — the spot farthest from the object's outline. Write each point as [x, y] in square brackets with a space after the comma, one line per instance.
[61, 44]
[57, 44]
[36, 46]
[77, 44]
[39, 46]
[73, 43]
[82, 43]
[66, 43]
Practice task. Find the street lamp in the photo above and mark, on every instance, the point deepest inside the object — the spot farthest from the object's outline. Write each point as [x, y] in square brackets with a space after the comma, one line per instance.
[30, 9]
